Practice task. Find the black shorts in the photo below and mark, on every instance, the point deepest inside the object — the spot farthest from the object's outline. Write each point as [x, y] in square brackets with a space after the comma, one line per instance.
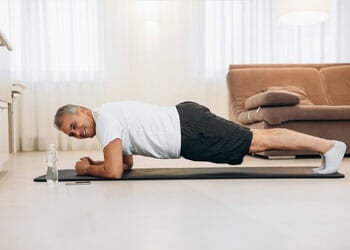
[208, 137]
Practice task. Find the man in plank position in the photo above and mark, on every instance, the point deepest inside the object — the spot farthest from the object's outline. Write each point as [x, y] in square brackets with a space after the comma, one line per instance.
[188, 129]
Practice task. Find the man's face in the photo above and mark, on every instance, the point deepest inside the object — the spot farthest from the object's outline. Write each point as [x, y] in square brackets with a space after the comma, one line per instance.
[80, 125]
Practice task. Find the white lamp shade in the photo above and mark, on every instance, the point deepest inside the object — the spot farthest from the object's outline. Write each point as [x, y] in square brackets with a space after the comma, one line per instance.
[303, 11]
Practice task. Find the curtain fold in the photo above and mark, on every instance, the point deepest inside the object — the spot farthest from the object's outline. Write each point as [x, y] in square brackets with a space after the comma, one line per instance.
[90, 52]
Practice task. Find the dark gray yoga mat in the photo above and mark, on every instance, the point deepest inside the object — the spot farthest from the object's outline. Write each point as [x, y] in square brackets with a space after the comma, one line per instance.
[200, 173]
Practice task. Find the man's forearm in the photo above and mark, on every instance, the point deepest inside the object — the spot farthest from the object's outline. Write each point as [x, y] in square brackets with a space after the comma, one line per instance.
[99, 163]
[100, 171]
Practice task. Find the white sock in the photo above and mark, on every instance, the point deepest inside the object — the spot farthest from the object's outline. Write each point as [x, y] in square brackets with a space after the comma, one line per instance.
[333, 158]
[322, 166]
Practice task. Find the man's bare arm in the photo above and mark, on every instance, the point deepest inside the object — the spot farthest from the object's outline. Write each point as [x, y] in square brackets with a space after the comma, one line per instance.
[128, 161]
[111, 167]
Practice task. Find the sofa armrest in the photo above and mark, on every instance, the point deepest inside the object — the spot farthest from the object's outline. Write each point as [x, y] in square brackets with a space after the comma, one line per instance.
[271, 99]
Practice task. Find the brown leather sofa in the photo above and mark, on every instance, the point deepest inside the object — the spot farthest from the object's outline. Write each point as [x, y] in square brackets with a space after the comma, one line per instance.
[309, 98]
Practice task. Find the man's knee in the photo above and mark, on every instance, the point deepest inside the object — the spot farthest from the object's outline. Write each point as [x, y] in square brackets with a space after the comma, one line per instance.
[258, 141]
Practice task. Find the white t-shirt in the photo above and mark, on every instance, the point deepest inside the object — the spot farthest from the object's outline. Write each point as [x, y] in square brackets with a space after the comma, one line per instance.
[144, 129]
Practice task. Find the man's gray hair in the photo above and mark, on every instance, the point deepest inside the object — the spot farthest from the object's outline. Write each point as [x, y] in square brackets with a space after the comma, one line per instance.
[66, 109]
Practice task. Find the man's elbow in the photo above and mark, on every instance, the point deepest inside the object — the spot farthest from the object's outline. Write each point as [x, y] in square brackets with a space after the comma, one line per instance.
[114, 174]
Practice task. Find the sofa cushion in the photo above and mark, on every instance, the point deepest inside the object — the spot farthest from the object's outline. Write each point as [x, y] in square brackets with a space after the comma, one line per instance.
[299, 91]
[278, 115]
[336, 80]
[272, 98]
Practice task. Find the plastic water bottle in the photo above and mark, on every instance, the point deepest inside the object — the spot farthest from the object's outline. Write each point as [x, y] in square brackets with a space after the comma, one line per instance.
[51, 159]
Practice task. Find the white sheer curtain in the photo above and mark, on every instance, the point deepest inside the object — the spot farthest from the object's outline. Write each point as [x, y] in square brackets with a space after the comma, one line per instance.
[94, 51]
[246, 32]
[56, 54]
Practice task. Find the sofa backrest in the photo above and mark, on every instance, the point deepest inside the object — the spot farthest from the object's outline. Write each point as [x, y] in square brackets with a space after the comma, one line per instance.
[246, 82]
[336, 80]
[316, 80]
[314, 65]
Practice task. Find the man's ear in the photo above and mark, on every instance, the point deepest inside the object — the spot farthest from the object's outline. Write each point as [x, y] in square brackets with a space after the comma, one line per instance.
[81, 110]
[84, 111]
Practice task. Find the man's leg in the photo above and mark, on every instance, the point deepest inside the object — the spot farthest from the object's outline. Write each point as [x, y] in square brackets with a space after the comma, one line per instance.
[285, 139]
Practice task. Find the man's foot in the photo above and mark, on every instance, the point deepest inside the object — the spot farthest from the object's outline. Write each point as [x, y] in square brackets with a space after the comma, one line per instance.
[333, 158]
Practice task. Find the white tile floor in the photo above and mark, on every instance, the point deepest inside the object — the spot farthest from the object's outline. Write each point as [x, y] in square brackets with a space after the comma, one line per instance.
[189, 214]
